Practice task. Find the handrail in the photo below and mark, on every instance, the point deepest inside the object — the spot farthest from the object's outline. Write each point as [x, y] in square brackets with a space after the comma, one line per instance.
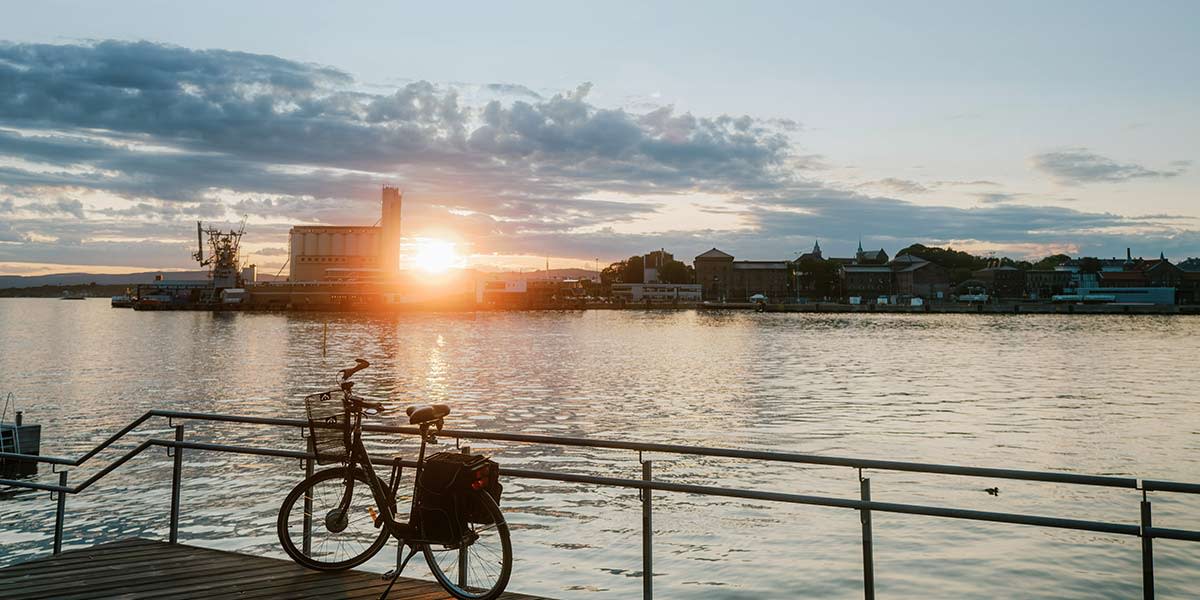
[1144, 530]
[1014, 518]
[774, 456]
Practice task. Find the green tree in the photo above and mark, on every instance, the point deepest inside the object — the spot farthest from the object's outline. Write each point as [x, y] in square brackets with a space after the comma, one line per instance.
[959, 264]
[1050, 262]
[676, 272]
[612, 274]
[1089, 264]
[635, 270]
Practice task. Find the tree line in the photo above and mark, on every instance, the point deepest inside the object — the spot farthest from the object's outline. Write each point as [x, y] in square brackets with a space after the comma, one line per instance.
[633, 270]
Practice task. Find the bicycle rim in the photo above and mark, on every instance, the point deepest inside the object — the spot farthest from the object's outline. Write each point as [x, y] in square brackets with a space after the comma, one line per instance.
[488, 560]
[337, 542]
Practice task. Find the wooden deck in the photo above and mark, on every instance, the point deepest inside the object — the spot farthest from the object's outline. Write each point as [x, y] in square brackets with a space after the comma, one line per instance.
[148, 569]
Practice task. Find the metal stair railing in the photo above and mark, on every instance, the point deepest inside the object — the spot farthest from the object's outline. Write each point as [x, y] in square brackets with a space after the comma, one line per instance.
[1144, 528]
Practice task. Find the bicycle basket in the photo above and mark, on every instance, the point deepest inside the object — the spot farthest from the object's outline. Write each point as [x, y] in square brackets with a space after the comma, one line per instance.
[330, 443]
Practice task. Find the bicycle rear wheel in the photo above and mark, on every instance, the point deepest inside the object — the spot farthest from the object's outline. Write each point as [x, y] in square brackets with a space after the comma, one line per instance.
[337, 540]
[479, 570]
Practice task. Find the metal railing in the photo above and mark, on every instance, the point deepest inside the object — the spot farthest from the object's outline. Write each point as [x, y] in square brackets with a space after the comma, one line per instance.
[1144, 528]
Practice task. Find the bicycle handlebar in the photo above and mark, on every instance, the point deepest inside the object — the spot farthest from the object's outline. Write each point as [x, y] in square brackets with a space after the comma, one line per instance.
[360, 365]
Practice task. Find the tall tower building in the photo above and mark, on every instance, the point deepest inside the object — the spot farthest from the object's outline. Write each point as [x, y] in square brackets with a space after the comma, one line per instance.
[390, 224]
[338, 252]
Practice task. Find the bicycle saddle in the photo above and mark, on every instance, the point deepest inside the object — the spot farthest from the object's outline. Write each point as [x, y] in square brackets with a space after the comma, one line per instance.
[425, 413]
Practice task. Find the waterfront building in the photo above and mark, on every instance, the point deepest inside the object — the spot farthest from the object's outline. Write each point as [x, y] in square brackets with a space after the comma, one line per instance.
[1157, 273]
[723, 279]
[714, 273]
[657, 293]
[1043, 284]
[1002, 281]
[313, 250]
[867, 281]
[1122, 295]
[916, 277]
[513, 292]
[769, 278]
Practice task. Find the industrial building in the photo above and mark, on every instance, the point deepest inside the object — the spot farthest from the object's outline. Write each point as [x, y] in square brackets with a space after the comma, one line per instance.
[333, 252]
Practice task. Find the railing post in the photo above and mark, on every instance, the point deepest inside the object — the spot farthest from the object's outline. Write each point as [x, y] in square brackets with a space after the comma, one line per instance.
[462, 552]
[1147, 552]
[647, 535]
[868, 553]
[308, 472]
[176, 481]
[58, 514]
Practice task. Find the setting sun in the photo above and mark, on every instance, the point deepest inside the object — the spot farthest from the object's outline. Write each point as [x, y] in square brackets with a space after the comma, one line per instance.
[436, 256]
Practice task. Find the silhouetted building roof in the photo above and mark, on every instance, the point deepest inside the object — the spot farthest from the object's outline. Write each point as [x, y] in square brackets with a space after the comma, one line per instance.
[714, 253]
[814, 255]
[908, 262]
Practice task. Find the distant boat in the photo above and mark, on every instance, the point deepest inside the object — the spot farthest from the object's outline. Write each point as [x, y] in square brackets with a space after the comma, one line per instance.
[122, 301]
[69, 295]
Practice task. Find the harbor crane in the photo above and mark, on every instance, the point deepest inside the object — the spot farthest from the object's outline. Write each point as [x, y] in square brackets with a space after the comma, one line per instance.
[223, 260]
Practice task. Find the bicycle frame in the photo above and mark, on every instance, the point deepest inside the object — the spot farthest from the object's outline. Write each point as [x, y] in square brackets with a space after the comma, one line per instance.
[407, 532]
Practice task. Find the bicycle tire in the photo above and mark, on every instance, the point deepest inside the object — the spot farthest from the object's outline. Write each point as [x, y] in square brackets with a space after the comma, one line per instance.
[489, 583]
[361, 535]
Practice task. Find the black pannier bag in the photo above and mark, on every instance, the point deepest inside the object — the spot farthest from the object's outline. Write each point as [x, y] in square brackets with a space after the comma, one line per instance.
[448, 493]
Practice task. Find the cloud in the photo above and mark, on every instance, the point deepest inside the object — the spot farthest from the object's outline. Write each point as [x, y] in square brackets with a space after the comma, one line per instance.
[997, 197]
[974, 183]
[61, 206]
[8, 234]
[1079, 166]
[899, 186]
[514, 89]
[166, 135]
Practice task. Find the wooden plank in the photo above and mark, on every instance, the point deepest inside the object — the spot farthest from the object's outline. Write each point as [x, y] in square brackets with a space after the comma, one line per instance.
[151, 570]
[139, 576]
[98, 561]
[111, 548]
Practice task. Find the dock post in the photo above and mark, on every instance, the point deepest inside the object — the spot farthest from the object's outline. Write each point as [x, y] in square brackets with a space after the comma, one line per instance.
[176, 481]
[1147, 552]
[868, 553]
[647, 535]
[308, 472]
[20, 418]
[60, 512]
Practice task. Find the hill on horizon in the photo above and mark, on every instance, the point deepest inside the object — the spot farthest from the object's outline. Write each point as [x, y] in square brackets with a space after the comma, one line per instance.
[68, 279]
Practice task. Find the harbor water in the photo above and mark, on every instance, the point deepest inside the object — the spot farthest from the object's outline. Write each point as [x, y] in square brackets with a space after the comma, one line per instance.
[1111, 395]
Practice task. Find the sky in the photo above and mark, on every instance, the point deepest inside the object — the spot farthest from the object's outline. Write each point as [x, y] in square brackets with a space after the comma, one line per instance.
[585, 132]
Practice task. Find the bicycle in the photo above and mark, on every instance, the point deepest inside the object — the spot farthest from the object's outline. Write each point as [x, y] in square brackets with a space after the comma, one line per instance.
[454, 518]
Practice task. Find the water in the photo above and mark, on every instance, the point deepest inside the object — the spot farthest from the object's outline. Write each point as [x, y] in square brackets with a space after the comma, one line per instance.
[1098, 394]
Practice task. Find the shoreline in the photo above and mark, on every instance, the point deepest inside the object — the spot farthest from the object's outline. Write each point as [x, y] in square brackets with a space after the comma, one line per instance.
[1029, 308]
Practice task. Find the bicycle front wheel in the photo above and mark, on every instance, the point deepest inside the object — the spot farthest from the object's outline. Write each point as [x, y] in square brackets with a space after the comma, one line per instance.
[337, 539]
[478, 570]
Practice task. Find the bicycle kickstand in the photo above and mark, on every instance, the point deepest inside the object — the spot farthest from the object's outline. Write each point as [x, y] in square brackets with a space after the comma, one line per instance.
[394, 574]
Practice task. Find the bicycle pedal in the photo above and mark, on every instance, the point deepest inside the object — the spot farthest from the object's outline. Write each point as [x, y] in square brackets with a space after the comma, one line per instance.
[390, 575]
